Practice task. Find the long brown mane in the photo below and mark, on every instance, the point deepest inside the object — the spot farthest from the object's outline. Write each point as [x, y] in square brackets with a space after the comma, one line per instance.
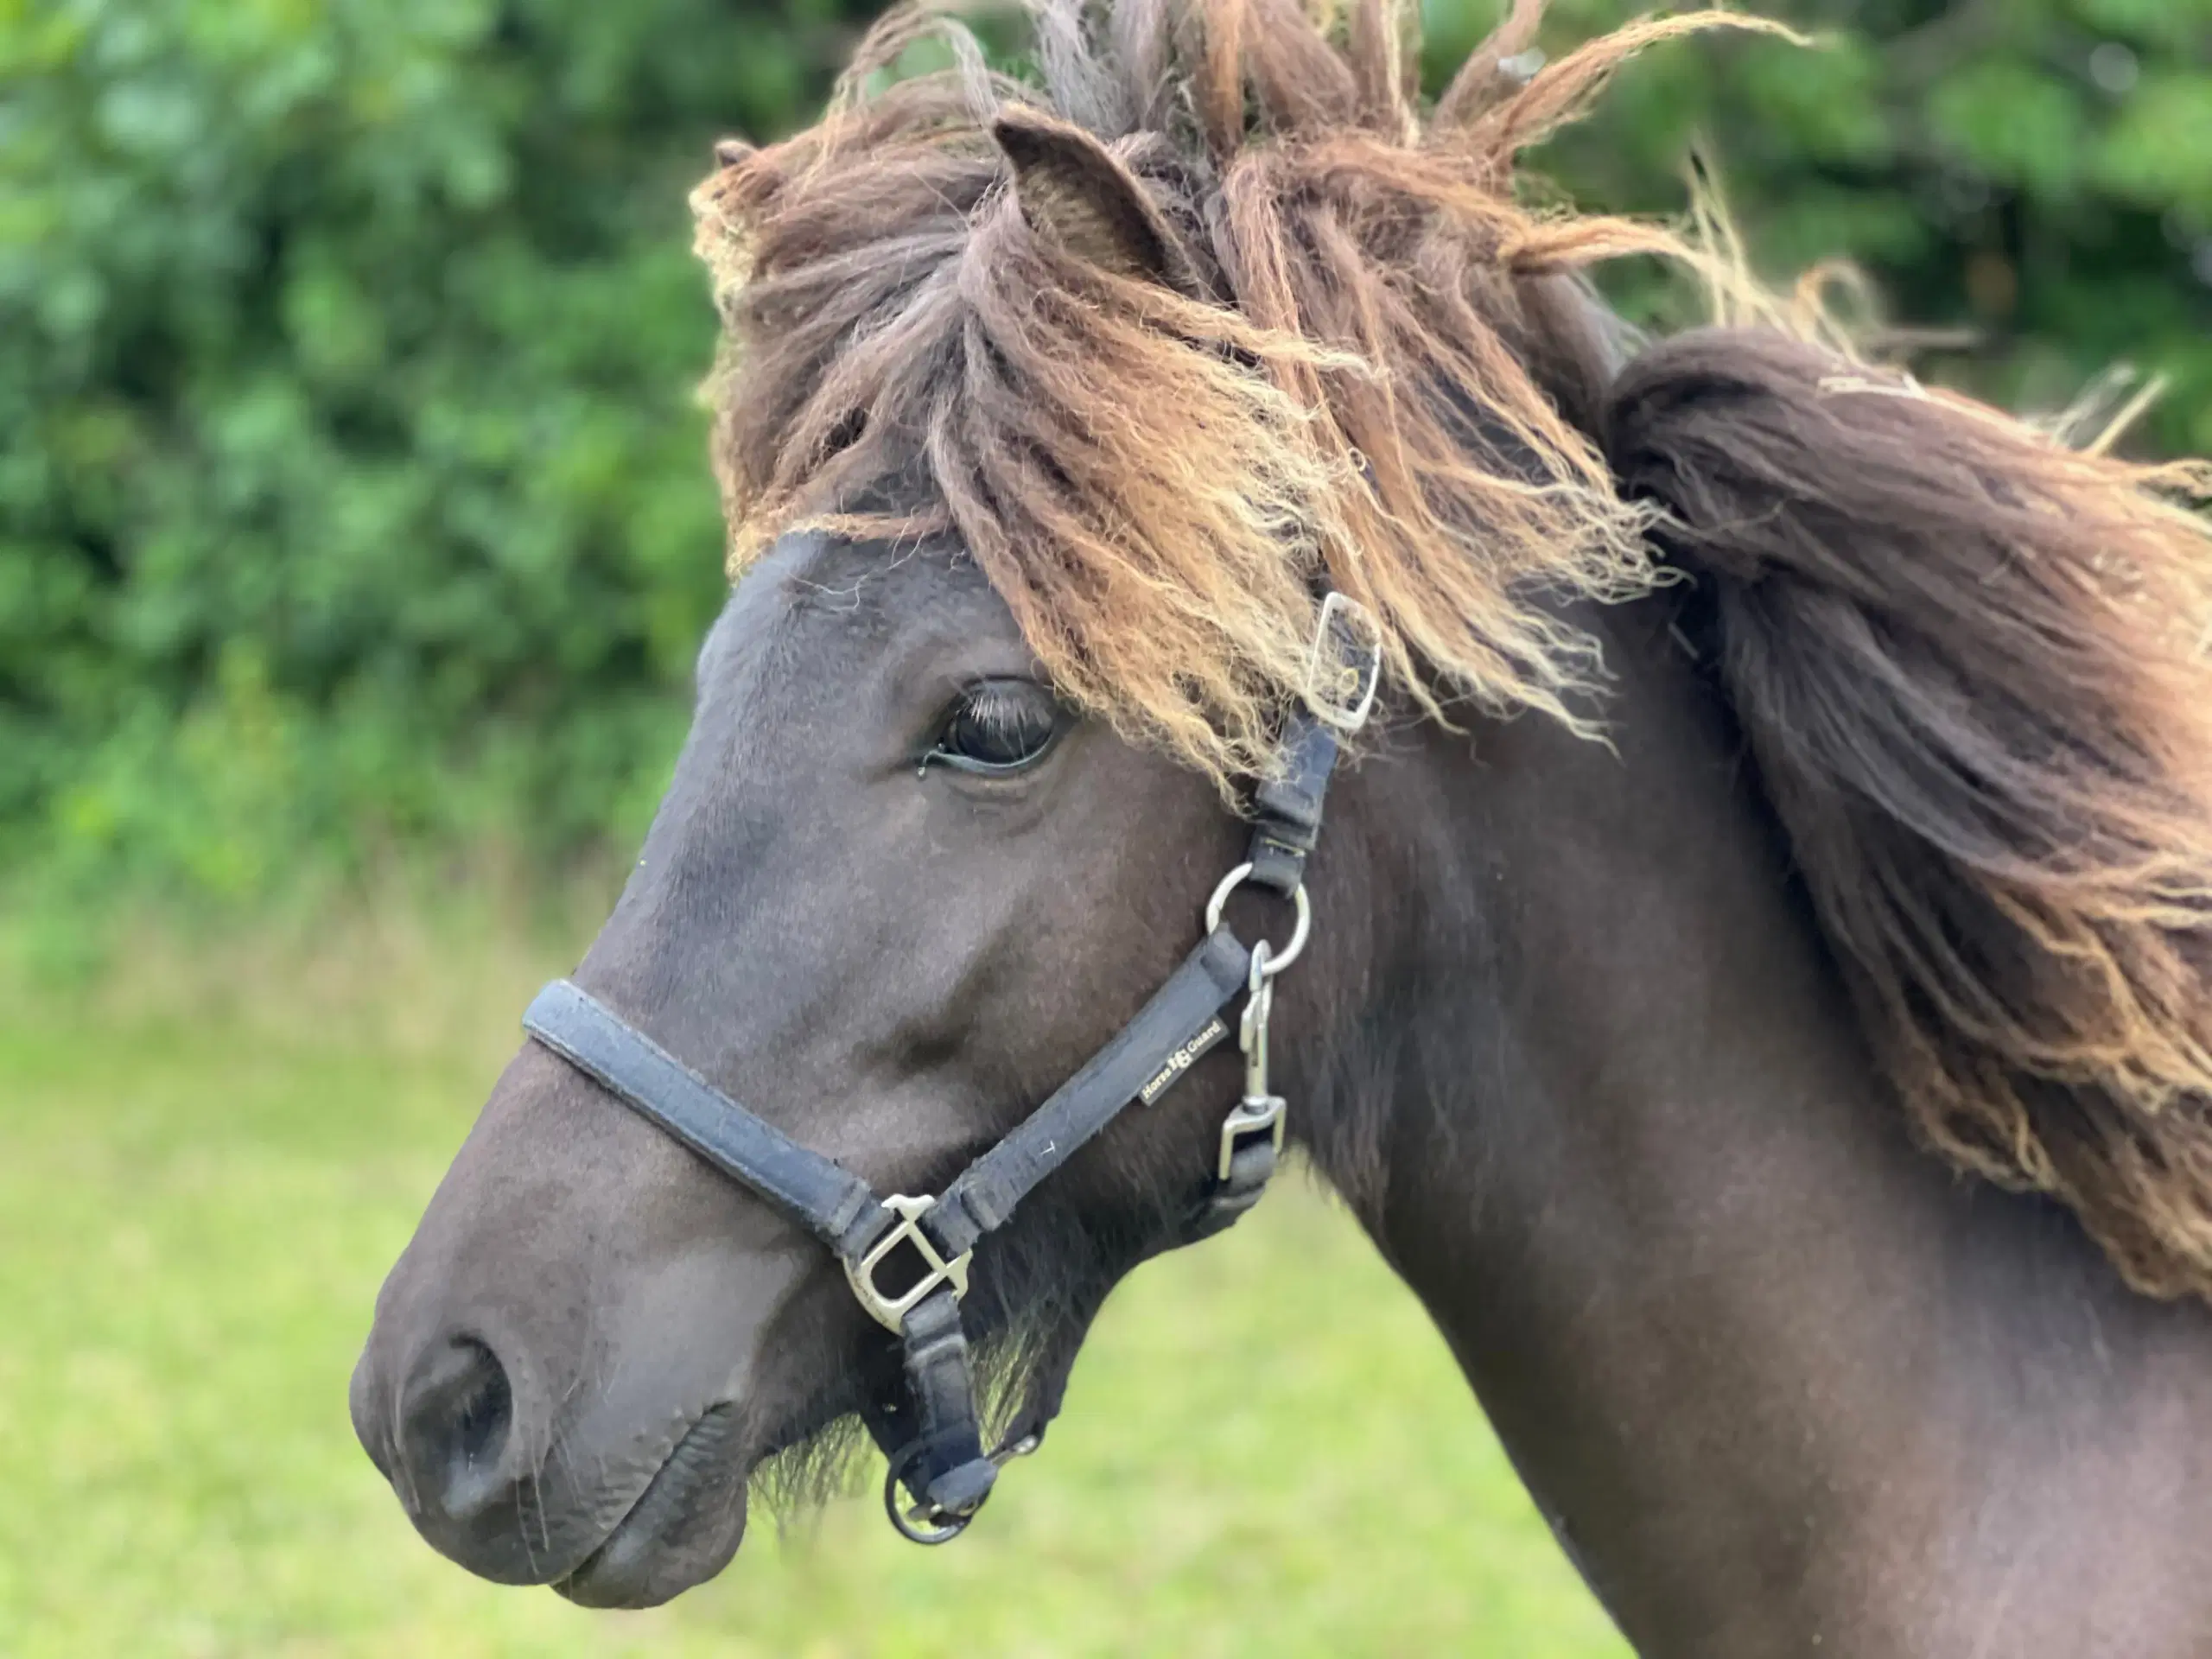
[1971, 665]
[1969, 661]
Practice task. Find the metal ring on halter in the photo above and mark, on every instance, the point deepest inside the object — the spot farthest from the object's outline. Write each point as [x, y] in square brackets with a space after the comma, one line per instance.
[924, 1525]
[1277, 961]
[942, 1527]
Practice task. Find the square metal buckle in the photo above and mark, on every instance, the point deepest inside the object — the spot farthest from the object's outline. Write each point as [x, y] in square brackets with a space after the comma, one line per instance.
[891, 1310]
[1344, 672]
[1252, 1117]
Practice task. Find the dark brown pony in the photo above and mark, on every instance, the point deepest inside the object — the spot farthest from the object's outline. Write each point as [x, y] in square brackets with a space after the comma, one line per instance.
[1046, 406]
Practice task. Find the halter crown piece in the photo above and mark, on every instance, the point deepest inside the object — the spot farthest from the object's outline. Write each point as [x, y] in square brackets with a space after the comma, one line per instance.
[931, 1432]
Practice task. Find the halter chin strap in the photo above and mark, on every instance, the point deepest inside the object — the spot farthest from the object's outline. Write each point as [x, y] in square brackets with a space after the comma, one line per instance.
[907, 1257]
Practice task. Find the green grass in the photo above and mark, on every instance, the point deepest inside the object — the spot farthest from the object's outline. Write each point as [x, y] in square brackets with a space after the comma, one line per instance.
[198, 1195]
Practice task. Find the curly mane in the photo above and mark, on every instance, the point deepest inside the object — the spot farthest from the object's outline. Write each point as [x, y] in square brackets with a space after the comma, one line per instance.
[1970, 662]
[1151, 474]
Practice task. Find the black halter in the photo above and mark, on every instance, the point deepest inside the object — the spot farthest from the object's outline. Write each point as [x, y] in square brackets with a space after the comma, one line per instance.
[934, 1436]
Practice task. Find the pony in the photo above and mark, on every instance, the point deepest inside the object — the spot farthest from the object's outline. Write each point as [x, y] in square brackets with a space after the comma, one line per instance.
[1757, 991]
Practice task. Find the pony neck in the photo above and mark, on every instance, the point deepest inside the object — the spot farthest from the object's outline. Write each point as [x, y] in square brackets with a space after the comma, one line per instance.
[1773, 1374]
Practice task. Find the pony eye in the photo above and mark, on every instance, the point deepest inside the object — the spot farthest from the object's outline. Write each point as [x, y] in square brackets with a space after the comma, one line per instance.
[996, 726]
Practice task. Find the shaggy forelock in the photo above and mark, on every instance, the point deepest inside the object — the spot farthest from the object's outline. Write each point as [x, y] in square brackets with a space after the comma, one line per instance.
[1152, 479]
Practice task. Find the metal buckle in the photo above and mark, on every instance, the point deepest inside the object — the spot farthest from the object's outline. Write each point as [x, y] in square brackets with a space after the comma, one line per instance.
[1341, 687]
[891, 1311]
[1250, 1117]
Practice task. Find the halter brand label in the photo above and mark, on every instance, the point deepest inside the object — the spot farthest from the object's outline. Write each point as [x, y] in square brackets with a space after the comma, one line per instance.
[1183, 1059]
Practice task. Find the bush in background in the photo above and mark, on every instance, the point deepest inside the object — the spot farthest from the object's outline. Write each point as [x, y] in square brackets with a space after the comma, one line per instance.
[353, 492]
[353, 496]
[2035, 175]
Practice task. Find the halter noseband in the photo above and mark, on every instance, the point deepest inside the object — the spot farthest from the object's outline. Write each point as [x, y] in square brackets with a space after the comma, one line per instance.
[934, 1436]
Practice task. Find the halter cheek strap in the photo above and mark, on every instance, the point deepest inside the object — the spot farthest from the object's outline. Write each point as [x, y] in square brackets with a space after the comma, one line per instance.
[907, 1257]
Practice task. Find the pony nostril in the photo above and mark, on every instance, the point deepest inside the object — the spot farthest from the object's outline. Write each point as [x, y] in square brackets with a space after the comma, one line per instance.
[456, 1413]
[480, 1432]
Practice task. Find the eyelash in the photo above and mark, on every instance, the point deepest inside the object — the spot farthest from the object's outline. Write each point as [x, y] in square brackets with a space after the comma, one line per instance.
[995, 715]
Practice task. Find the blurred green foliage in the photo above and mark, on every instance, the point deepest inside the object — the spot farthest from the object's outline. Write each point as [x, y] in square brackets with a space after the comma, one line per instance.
[352, 492]
[2034, 173]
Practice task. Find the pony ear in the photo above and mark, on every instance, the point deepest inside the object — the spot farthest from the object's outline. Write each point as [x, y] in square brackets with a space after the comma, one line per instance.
[1075, 194]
